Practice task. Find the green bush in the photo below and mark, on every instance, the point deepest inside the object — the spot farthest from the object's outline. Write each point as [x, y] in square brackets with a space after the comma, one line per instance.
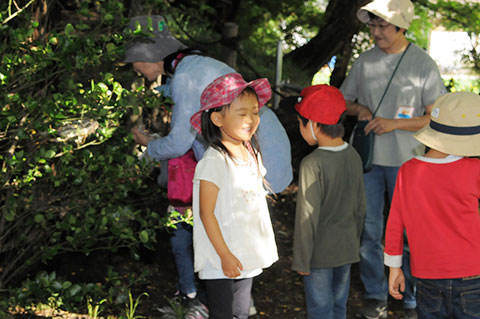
[70, 175]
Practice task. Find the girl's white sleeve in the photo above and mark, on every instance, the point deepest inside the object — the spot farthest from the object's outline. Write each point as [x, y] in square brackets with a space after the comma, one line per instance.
[211, 168]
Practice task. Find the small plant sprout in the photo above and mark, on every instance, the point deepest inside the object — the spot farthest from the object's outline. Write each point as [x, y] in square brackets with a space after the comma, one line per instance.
[131, 306]
[174, 310]
[94, 308]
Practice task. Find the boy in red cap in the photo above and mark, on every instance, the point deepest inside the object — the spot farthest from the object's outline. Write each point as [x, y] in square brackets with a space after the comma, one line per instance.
[330, 204]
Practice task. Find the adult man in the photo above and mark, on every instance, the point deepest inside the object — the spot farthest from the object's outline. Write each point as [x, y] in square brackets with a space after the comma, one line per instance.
[404, 109]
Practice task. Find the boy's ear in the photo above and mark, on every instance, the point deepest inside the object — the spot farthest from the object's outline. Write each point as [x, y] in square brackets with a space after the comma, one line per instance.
[316, 127]
[217, 119]
[300, 122]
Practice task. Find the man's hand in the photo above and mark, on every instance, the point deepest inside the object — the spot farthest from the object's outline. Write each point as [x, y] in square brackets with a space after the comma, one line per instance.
[301, 273]
[364, 113]
[231, 266]
[396, 283]
[380, 125]
[361, 111]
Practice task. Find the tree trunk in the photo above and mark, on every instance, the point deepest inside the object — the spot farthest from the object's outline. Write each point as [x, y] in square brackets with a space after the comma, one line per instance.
[229, 41]
[340, 24]
[341, 65]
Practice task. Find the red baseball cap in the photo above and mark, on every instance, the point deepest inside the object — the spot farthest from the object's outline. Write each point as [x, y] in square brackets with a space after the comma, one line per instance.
[321, 103]
[223, 90]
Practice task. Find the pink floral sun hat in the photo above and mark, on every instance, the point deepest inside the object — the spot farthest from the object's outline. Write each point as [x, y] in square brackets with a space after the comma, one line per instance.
[223, 90]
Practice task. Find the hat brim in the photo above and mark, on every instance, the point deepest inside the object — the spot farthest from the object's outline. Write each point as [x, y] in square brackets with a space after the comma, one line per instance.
[152, 50]
[362, 15]
[460, 145]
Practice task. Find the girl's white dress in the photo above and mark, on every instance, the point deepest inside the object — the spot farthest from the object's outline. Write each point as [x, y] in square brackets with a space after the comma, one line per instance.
[242, 214]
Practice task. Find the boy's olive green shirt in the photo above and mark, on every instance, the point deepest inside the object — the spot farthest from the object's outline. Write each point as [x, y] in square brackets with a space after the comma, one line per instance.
[330, 209]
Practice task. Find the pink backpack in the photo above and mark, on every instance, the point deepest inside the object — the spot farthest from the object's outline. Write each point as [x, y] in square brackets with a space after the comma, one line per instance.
[180, 179]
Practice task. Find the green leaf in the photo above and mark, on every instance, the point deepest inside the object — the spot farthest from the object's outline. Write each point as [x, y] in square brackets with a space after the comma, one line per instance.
[39, 218]
[82, 26]
[144, 236]
[50, 154]
[130, 160]
[108, 17]
[111, 47]
[103, 87]
[57, 285]
[134, 255]
[75, 289]
[10, 215]
[67, 284]
[69, 29]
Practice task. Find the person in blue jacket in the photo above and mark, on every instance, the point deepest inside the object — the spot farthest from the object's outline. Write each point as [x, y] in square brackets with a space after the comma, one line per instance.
[188, 72]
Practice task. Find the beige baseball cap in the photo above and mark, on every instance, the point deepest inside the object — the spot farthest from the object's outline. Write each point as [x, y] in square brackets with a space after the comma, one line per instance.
[454, 126]
[397, 12]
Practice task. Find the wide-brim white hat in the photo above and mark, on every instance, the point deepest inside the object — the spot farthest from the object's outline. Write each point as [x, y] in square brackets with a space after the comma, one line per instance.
[397, 12]
[454, 126]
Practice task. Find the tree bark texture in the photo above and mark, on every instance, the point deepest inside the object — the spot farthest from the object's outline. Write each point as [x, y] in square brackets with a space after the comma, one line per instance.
[339, 26]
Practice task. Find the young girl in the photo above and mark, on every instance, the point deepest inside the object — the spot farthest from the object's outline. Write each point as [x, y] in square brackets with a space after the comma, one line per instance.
[232, 235]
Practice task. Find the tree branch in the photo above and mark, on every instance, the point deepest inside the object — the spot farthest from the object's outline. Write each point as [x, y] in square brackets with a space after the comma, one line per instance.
[19, 10]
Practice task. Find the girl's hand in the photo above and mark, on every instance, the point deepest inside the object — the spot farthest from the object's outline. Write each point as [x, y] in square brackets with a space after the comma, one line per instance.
[231, 266]
[140, 138]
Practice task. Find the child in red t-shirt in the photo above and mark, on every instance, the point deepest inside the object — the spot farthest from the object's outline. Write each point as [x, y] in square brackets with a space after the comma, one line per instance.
[436, 201]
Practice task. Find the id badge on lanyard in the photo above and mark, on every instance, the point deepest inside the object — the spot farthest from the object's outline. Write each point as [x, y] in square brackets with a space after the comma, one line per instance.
[404, 112]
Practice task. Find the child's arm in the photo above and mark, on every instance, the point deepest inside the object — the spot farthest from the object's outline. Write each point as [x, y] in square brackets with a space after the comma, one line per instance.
[394, 241]
[231, 266]
[396, 283]
[361, 209]
[306, 217]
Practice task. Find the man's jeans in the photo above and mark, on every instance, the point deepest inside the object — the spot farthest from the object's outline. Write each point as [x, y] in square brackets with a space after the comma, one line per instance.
[448, 298]
[181, 242]
[372, 271]
[326, 292]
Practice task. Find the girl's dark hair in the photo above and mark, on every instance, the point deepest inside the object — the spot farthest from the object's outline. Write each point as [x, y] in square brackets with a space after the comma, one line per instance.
[167, 62]
[210, 132]
[333, 131]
